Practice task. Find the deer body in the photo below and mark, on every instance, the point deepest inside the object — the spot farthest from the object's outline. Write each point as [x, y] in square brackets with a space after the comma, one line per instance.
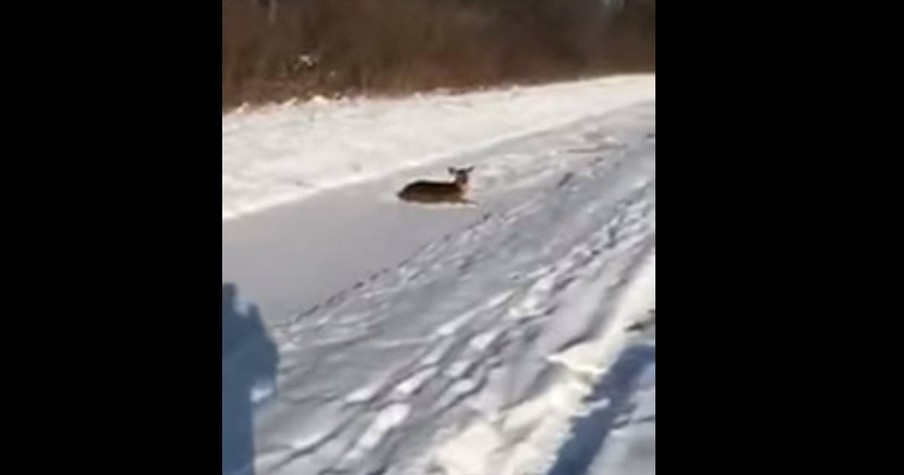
[424, 191]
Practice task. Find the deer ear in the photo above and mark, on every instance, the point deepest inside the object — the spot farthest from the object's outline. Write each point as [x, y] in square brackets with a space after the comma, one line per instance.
[470, 169]
[452, 170]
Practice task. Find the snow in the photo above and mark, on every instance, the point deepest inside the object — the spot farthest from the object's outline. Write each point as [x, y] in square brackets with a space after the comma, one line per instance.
[447, 340]
[276, 156]
[632, 449]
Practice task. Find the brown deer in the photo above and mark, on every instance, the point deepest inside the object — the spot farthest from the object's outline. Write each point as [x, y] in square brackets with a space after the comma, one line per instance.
[439, 192]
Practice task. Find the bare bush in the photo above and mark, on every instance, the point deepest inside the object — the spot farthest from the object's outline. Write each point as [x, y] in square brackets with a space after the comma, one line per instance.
[398, 46]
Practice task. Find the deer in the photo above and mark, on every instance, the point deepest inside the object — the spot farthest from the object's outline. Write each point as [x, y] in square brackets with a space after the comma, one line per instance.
[424, 191]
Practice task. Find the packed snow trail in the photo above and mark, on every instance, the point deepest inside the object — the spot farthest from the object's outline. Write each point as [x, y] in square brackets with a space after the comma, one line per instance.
[477, 353]
[290, 257]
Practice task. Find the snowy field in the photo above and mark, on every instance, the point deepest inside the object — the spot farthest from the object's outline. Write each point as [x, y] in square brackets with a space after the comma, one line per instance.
[280, 154]
[511, 337]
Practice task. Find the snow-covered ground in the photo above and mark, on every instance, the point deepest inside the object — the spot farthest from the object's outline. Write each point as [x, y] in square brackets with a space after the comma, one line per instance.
[278, 155]
[446, 339]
